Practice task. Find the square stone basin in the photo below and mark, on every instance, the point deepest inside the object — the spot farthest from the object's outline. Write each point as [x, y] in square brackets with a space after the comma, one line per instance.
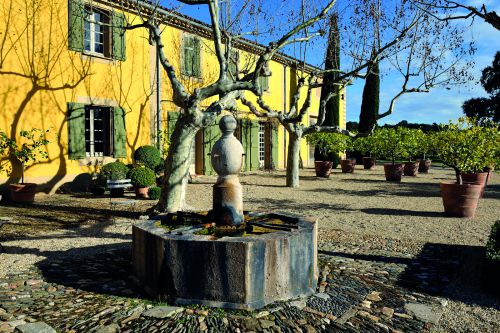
[229, 272]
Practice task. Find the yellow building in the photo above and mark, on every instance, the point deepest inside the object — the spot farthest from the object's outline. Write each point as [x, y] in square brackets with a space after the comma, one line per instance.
[70, 67]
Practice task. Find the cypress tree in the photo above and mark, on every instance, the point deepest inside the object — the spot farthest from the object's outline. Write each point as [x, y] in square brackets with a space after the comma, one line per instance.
[370, 102]
[332, 61]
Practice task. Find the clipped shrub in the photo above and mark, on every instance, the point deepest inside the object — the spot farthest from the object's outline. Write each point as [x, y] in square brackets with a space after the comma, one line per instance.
[154, 192]
[149, 156]
[114, 171]
[327, 146]
[142, 176]
[493, 245]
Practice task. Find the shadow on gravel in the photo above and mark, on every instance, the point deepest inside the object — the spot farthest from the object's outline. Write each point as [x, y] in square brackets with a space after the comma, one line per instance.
[401, 212]
[451, 271]
[283, 205]
[492, 191]
[102, 269]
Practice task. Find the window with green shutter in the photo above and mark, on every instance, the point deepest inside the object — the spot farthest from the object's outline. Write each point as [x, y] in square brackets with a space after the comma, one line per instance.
[233, 64]
[191, 54]
[96, 131]
[95, 31]
[274, 145]
[264, 83]
[211, 134]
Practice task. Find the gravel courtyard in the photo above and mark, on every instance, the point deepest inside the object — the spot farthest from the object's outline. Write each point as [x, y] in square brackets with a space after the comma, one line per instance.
[367, 228]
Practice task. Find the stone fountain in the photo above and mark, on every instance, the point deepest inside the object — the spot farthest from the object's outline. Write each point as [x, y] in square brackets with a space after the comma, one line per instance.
[226, 258]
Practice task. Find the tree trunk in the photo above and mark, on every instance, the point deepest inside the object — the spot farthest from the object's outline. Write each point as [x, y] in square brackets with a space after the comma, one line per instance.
[173, 192]
[293, 158]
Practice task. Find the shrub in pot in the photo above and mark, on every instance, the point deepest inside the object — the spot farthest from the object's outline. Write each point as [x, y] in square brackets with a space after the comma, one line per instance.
[388, 144]
[142, 178]
[115, 171]
[365, 145]
[491, 268]
[28, 150]
[465, 147]
[326, 151]
[149, 156]
[410, 138]
[154, 192]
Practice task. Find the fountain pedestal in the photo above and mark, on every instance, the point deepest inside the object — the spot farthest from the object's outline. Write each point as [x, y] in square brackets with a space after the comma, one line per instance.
[274, 259]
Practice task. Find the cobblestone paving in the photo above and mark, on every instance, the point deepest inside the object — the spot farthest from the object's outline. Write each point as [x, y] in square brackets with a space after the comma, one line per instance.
[359, 291]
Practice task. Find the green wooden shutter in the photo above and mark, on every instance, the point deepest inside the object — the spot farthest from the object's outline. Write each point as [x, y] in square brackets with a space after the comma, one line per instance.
[186, 55]
[196, 57]
[118, 32]
[210, 135]
[245, 142]
[172, 117]
[274, 149]
[76, 127]
[76, 25]
[264, 83]
[120, 133]
[254, 145]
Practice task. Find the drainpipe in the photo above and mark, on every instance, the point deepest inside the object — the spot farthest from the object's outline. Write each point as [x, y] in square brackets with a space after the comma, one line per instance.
[158, 102]
[285, 96]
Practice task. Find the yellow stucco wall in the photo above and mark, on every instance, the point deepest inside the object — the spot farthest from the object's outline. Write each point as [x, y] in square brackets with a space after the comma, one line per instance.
[36, 65]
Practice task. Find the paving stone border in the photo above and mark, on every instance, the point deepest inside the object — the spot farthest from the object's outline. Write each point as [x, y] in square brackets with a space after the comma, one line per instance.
[358, 291]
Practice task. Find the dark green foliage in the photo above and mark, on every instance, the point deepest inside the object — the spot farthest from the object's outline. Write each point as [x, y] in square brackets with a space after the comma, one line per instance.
[370, 102]
[332, 61]
[333, 157]
[142, 176]
[154, 192]
[149, 156]
[485, 109]
[493, 245]
[114, 171]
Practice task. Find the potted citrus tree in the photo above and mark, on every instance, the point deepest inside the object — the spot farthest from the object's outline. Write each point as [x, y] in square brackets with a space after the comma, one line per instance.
[410, 138]
[326, 151]
[465, 147]
[425, 148]
[29, 149]
[365, 146]
[388, 143]
[142, 178]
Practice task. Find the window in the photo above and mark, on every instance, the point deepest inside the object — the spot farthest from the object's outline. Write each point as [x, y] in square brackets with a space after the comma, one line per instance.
[191, 56]
[94, 31]
[98, 131]
[233, 64]
[262, 144]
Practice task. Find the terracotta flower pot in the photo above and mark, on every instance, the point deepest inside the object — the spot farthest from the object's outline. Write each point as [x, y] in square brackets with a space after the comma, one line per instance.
[323, 168]
[424, 166]
[347, 165]
[460, 200]
[368, 163]
[141, 192]
[23, 192]
[411, 168]
[394, 172]
[477, 178]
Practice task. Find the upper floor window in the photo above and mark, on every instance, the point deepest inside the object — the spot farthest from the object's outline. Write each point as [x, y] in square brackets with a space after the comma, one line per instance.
[264, 83]
[191, 54]
[96, 35]
[95, 31]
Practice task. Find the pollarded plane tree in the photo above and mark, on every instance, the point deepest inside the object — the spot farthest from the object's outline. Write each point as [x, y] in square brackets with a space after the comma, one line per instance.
[360, 55]
[448, 10]
[225, 89]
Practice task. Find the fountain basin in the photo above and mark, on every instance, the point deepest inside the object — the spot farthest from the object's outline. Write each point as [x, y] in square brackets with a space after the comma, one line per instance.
[242, 272]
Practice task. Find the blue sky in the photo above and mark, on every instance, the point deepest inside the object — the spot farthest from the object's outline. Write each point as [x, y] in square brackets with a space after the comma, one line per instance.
[440, 104]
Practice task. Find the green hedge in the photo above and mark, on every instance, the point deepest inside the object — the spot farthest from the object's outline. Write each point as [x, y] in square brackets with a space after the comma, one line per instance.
[154, 192]
[114, 171]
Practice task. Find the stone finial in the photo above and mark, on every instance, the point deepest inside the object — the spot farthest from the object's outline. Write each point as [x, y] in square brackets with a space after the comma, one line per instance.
[227, 160]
